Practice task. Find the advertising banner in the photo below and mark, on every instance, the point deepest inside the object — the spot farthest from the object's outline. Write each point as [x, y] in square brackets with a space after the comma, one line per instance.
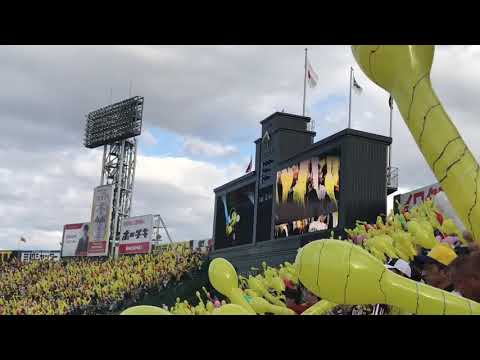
[409, 200]
[99, 232]
[75, 239]
[27, 256]
[412, 198]
[136, 235]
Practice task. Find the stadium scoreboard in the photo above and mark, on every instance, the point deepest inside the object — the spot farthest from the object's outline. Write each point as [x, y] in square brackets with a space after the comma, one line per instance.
[115, 122]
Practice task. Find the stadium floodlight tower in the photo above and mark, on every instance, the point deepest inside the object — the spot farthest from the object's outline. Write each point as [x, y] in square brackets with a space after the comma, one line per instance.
[116, 127]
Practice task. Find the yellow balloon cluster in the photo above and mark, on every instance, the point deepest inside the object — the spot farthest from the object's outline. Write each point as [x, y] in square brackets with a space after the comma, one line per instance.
[261, 294]
[403, 234]
[145, 310]
[404, 72]
[339, 272]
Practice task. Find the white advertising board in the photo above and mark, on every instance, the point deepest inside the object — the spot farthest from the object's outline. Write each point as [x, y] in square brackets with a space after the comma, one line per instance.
[100, 221]
[136, 235]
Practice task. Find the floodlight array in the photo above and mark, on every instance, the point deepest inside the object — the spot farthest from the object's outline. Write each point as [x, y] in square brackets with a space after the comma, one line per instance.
[115, 122]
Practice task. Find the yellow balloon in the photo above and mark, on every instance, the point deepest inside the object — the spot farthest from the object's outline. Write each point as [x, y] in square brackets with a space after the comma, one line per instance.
[224, 279]
[404, 72]
[262, 306]
[403, 242]
[251, 293]
[320, 308]
[222, 276]
[145, 310]
[344, 273]
[420, 236]
[231, 309]
[256, 285]
[449, 227]
[382, 244]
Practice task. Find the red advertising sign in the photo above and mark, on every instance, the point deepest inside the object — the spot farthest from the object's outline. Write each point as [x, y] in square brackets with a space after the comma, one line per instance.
[136, 248]
[410, 199]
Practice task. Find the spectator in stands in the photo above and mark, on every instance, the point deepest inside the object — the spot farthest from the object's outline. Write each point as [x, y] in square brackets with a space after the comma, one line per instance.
[465, 276]
[298, 298]
[434, 265]
[472, 245]
[89, 286]
[83, 242]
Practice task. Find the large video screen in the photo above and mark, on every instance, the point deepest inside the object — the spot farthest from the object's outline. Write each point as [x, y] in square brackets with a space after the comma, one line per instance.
[307, 196]
[234, 218]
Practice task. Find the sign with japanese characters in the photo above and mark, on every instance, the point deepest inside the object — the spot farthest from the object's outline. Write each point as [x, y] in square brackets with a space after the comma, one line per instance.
[99, 232]
[136, 235]
[27, 256]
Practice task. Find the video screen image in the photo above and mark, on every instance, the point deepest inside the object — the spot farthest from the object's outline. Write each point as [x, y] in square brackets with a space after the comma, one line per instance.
[307, 196]
[234, 222]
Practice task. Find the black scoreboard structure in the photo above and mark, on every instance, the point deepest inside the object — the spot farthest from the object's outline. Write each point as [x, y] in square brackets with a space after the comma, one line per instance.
[300, 191]
[116, 128]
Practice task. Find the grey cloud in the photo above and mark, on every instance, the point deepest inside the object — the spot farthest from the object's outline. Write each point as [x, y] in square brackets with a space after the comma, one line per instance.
[191, 90]
[196, 146]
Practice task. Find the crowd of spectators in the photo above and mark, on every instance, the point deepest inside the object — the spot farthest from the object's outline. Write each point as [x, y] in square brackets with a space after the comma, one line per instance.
[90, 286]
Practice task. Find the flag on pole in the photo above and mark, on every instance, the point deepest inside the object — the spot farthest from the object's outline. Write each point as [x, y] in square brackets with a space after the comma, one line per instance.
[358, 89]
[312, 76]
[249, 167]
[390, 102]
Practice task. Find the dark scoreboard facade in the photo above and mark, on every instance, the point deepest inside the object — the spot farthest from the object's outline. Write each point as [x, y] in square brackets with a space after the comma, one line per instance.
[300, 191]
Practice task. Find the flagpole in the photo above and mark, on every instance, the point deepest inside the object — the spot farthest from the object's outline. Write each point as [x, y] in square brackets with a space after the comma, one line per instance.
[350, 101]
[390, 146]
[305, 83]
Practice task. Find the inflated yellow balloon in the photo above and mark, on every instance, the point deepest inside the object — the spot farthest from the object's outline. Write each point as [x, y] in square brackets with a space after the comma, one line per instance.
[256, 285]
[404, 244]
[145, 310]
[262, 306]
[210, 307]
[250, 292]
[320, 308]
[231, 309]
[224, 279]
[222, 276]
[404, 72]
[344, 273]
[274, 281]
[420, 236]
[382, 244]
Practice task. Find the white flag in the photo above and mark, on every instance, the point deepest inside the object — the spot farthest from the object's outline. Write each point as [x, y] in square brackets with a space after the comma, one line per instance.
[312, 76]
[358, 89]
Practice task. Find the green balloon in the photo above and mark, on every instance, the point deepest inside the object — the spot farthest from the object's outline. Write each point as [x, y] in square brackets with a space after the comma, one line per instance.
[145, 310]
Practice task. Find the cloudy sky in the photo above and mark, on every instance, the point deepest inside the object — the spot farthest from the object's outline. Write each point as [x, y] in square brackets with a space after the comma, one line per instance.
[203, 105]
